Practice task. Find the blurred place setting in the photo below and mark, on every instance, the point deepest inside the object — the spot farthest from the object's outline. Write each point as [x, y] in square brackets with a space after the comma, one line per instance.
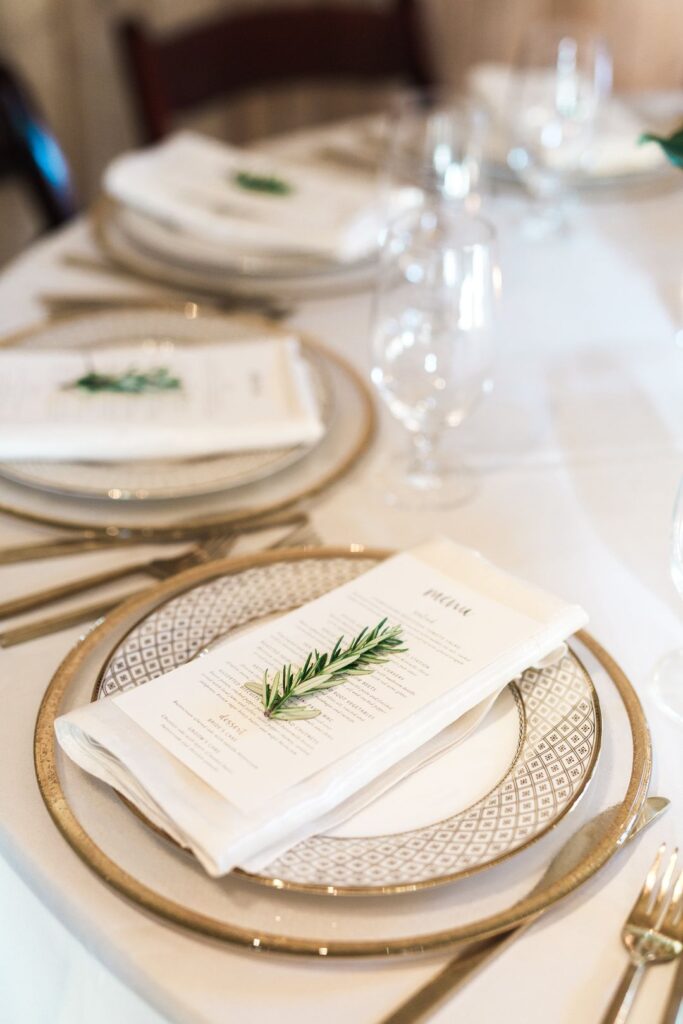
[341, 514]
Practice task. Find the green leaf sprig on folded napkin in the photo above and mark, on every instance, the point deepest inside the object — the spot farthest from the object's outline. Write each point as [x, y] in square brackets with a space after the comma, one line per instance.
[323, 671]
[672, 145]
[131, 382]
[262, 183]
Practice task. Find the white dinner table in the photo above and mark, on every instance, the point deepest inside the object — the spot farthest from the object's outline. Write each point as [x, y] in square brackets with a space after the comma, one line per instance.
[578, 453]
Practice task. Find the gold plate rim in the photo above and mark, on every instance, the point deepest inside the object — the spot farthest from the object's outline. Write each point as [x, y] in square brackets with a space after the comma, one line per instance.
[45, 761]
[188, 528]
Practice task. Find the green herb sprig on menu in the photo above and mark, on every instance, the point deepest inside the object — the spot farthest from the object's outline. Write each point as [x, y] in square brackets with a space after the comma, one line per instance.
[321, 672]
[262, 183]
[131, 382]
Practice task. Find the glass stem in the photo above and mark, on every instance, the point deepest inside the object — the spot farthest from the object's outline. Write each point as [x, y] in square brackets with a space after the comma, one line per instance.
[547, 208]
[425, 463]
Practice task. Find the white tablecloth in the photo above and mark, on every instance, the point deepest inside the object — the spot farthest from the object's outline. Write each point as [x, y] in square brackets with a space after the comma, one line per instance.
[579, 456]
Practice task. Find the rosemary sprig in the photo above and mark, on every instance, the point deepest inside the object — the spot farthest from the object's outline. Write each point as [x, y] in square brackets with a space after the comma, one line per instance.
[131, 382]
[323, 671]
[262, 183]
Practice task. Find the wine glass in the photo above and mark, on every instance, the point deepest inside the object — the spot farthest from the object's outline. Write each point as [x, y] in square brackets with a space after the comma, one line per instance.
[434, 143]
[668, 680]
[562, 76]
[433, 340]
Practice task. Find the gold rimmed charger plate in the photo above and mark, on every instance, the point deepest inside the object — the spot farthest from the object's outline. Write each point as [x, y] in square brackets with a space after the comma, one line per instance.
[350, 423]
[483, 801]
[146, 884]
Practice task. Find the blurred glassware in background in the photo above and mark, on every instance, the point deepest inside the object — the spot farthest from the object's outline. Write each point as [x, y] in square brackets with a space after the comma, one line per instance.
[434, 142]
[562, 75]
[668, 679]
[433, 330]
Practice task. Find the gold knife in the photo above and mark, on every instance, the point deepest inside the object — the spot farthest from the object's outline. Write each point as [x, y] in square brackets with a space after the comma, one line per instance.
[459, 969]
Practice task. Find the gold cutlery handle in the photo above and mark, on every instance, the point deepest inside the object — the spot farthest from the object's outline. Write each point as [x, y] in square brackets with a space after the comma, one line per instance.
[43, 597]
[76, 302]
[55, 623]
[300, 533]
[61, 546]
[452, 977]
[622, 1000]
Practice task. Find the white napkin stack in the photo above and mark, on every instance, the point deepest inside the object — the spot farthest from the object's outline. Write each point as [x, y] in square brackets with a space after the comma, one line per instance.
[614, 149]
[237, 396]
[190, 183]
[105, 741]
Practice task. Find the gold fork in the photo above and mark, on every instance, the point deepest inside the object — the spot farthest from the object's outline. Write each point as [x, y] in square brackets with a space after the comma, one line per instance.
[159, 568]
[301, 534]
[653, 932]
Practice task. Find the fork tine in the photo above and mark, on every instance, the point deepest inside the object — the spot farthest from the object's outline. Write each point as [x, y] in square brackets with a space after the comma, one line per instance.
[301, 536]
[221, 542]
[674, 915]
[663, 897]
[644, 900]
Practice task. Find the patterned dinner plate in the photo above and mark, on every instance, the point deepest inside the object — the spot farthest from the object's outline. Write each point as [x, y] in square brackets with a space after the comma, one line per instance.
[480, 802]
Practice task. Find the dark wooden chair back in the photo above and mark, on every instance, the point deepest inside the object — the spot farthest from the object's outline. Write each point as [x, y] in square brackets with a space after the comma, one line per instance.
[30, 153]
[236, 52]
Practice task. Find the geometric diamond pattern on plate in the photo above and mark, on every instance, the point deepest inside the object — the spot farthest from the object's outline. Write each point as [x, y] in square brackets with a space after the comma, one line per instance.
[558, 735]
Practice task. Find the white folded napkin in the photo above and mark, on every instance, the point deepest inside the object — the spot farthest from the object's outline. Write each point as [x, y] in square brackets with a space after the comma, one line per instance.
[613, 150]
[196, 185]
[195, 753]
[237, 396]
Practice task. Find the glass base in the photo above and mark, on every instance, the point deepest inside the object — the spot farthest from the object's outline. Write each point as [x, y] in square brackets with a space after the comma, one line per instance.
[541, 222]
[407, 486]
[667, 685]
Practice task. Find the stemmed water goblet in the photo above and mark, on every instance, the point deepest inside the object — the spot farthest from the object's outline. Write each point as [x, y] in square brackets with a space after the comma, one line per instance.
[434, 143]
[562, 76]
[433, 332]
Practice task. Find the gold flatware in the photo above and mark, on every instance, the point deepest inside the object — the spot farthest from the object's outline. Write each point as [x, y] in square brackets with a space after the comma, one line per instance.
[673, 1012]
[160, 568]
[86, 302]
[301, 535]
[167, 292]
[80, 261]
[65, 620]
[460, 968]
[349, 159]
[61, 546]
[209, 547]
[653, 932]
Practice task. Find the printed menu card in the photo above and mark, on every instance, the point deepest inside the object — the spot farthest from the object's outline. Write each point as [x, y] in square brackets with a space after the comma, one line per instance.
[245, 749]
